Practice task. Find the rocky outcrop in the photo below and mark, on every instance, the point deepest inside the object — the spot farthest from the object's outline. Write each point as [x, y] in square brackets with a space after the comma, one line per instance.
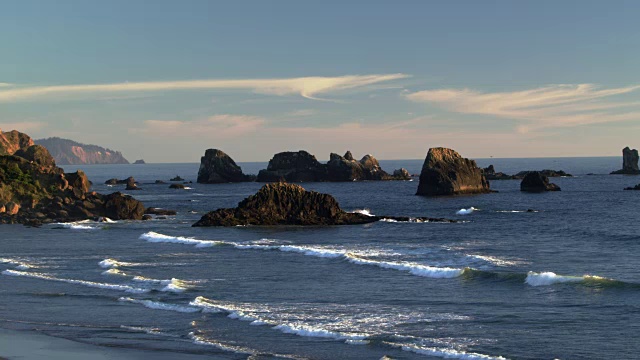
[33, 190]
[290, 204]
[402, 174]
[139, 162]
[176, 186]
[303, 167]
[545, 172]
[177, 178]
[69, 152]
[445, 172]
[629, 162]
[216, 167]
[491, 174]
[293, 167]
[159, 211]
[637, 187]
[536, 182]
[131, 184]
[12, 141]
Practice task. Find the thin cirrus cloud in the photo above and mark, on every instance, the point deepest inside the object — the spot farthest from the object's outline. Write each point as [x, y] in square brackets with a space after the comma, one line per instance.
[308, 87]
[546, 107]
[223, 125]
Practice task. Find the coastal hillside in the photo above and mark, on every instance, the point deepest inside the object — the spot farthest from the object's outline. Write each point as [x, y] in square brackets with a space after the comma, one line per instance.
[69, 152]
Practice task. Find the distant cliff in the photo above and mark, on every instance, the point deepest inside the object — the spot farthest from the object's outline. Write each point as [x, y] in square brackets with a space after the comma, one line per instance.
[69, 152]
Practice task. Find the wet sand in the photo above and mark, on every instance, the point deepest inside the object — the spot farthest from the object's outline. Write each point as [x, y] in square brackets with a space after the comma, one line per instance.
[29, 345]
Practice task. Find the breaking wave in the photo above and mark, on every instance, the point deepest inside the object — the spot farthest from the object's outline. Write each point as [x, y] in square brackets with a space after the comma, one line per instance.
[444, 353]
[113, 263]
[153, 236]
[19, 264]
[413, 268]
[157, 305]
[466, 211]
[108, 286]
[366, 212]
[170, 285]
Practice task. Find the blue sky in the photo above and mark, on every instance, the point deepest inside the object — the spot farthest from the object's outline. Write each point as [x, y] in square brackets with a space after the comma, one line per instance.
[165, 80]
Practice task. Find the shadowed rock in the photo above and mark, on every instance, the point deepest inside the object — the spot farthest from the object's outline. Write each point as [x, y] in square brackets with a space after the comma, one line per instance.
[291, 166]
[629, 162]
[445, 172]
[536, 182]
[290, 204]
[216, 167]
[637, 187]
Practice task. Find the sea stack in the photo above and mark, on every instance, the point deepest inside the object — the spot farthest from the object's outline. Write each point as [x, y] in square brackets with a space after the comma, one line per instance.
[445, 172]
[535, 182]
[216, 167]
[289, 204]
[292, 166]
[629, 162]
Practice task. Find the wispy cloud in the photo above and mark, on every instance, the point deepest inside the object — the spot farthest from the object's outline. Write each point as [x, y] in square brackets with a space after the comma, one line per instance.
[301, 113]
[308, 87]
[5, 84]
[545, 107]
[218, 126]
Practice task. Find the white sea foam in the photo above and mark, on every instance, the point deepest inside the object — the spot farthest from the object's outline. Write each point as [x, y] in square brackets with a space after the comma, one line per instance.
[201, 340]
[113, 263]
[444, 353]
[170, 285]
[311, 331]
[42, 276]
[81, 225]
[19, 264]
[157, 305]
[466, 211]
[148, 330]
[114, 271]
[323, 252]
[366, 212]
[516, 211]
[550, 278]
[495, 260]
[155, 237]
[413, 268]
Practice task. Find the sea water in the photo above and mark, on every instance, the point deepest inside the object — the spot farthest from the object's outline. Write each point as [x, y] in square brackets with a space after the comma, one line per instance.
[561, 281]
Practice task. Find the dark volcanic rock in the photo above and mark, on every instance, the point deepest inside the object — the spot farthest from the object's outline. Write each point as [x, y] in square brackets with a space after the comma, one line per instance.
[289, 204]
[535, 181]
[158, 211]
[139, 162]
[545, 172]
[38, 154]
[303, 167]
[445, 172]
[176, 186]
[491, 174]
[216, 167]
[293, 167]
[177, 178]
[131, 184]
[118, 206]
[637, 187]
[629, 162]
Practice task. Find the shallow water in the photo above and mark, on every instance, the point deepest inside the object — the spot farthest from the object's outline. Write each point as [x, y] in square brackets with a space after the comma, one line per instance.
[560, 282]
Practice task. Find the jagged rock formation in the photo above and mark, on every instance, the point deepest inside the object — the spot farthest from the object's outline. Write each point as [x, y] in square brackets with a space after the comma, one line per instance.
[69, 152]
[535, 182]
[290, 204]
[402, 173]
[177, 178]
[445, 172]
[629, 162]
[131, 184]
[293, 167]
[303, 167]
[216, 167]
[176, 186]
[637, 187]
[139, 162]
[491, 174]
[33, 190]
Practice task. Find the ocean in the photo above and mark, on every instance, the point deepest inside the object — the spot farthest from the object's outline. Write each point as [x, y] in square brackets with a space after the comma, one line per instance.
[561, 281]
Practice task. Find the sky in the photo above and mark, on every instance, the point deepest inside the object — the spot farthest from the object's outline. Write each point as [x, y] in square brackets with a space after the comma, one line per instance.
[166, 80]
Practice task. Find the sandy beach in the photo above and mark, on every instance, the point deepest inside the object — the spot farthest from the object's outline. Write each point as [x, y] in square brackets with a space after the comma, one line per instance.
[29, 345]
